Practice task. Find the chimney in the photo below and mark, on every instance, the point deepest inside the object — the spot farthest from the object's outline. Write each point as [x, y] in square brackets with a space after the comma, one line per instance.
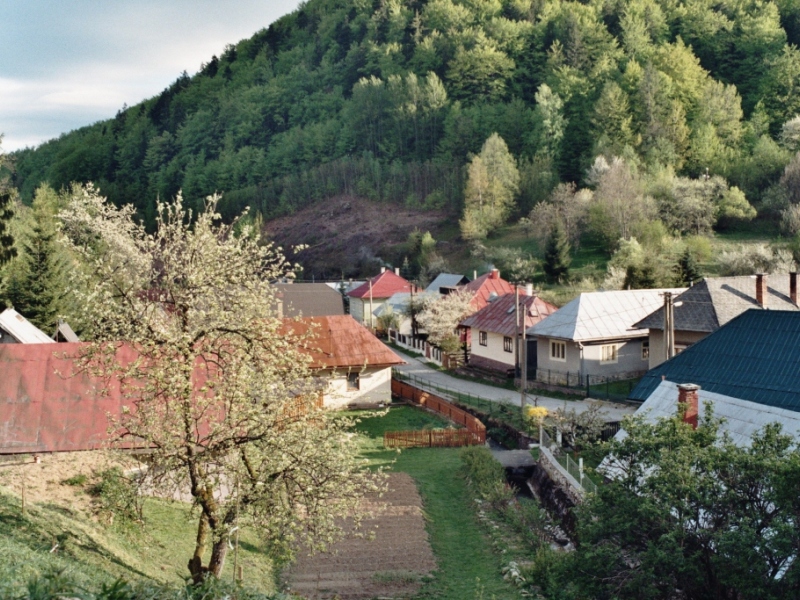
[687, 394]
[529, 289]
[397, 271]
[761, 289]
[383, 269]
[474, 275]
[793, 287]
[495, 274]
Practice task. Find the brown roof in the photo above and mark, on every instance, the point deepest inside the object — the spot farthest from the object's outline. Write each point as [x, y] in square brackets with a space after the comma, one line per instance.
[499, 316]
[309, 300]
[487, 285]
[341, 342]
[384, 285]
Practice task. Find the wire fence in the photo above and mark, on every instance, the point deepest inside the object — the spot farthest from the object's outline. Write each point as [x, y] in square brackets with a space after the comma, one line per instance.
[616, 387]
[576, 470]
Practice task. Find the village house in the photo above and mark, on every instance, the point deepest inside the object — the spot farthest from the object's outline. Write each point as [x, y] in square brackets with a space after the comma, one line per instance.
[487, 287]
[446, 283]
[354, 366]
[366, 298]
[713, 302]
[593, 336]
[494, 332]
[746, 372]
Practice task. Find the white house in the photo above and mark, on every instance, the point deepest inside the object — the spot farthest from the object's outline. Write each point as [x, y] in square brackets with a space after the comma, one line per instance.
[16, 329]
[356, 364]
[369, 296]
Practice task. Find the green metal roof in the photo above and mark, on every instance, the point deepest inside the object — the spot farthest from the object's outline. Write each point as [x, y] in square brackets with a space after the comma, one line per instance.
[754, 357]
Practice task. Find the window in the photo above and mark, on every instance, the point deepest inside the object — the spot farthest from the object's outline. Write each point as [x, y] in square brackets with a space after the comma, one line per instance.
[558, 351]
[508, 344]
[608, 354]
[353, 382]
[482, 338]
[646, 350]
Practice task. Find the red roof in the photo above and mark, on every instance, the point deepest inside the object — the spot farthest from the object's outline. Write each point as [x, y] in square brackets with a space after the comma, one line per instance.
[44, 408]
[384, 285]
[341, 342]
[485, 285]
[499, 316]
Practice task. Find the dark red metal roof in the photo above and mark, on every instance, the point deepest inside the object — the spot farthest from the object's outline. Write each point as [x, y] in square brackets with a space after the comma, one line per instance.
[384, 285]
[499, 316]
[341, 342]
[484, 286]
[46, 407]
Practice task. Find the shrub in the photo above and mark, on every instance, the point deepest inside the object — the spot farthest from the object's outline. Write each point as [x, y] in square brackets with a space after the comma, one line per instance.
[76, 480]
[116, 498]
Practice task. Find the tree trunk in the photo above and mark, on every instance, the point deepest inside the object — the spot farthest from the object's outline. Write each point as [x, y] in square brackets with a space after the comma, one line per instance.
[218, 553]
[196, 568]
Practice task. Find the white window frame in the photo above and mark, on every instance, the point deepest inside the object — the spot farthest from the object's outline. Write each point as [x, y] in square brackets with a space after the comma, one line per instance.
[646, 350]
[508, 344]
[483, 338]
[561, 354]
[605, 350]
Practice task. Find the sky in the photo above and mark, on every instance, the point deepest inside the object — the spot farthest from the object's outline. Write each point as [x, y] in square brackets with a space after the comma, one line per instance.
[69, 63]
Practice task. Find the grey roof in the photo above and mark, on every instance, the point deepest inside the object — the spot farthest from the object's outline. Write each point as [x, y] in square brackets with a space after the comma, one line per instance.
[347, 286]
[446, 280]
[742, 417]
[22, 330]
[595, 316]
[710, 304]
[397, 302]
[310, 300]
[66, 332]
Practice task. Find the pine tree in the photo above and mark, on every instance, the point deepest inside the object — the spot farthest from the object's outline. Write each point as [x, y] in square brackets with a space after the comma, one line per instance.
[7, 250]
[36, 286]
[688, 268]
[556, 254]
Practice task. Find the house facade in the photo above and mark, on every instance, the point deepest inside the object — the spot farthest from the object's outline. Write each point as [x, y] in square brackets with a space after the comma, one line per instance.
[16, 329]
[593, 336]
[494, 334]
[710, 304]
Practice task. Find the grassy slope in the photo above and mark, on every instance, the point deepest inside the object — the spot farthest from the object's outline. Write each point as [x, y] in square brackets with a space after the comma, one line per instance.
[467, 568]
[94, 554]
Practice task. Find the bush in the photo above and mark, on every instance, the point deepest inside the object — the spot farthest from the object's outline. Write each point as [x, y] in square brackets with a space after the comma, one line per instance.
[487, 476]
[116, 498]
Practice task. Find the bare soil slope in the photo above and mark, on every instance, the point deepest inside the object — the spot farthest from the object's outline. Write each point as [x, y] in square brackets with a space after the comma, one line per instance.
[348, 236]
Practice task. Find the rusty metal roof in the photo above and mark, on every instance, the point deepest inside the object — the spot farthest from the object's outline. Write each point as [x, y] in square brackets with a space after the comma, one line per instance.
[22, 330]
[487, 286]
[499, 316]
[384, 285]
[44, 408]
[341, 342]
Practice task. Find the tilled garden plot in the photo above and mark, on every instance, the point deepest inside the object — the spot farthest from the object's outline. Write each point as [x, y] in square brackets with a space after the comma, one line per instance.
[390, 565]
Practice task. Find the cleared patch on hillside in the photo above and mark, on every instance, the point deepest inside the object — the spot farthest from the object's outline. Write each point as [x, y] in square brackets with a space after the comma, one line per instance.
[391, 565]
[346, 235]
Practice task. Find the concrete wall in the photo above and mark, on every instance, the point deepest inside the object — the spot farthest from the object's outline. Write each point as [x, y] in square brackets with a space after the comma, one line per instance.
[629, 359]
[375, 387]
[683, 339]
[493, 350]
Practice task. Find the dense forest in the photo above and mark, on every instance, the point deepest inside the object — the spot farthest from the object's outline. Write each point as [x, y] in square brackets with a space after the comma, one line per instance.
[688, 104]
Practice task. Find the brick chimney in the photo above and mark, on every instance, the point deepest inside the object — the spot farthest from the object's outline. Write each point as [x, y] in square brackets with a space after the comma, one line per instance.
[761, 289]
[793, 287]
[687, 394]
[495, 274]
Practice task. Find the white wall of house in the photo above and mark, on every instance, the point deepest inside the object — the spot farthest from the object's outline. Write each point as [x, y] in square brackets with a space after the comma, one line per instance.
[374, 387]
[590, 360]
[683, 339]
[359, 309]
[494, 348]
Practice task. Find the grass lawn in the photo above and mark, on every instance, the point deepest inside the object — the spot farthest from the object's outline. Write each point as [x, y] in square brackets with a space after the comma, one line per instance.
[467, 567]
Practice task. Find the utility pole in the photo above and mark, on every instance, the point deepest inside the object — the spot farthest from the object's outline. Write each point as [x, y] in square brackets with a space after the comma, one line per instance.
[370, 306]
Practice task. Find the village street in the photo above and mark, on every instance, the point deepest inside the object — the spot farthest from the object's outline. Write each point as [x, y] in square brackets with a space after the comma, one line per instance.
[416, 367]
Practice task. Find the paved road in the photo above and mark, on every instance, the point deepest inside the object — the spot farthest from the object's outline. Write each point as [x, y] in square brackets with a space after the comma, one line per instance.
[414, 366]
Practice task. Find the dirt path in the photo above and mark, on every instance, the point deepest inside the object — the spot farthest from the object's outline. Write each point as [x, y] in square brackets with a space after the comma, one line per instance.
[390, 565]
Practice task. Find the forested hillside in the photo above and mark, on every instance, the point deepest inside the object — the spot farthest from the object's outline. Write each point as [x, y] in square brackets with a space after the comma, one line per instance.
[388, 99]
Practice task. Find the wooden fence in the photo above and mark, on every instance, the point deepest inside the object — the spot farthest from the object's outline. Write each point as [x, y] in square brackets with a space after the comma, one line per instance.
[473, 434]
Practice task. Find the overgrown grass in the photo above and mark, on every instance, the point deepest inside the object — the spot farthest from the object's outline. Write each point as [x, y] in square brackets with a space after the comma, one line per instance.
[50, 538]
[467, 566]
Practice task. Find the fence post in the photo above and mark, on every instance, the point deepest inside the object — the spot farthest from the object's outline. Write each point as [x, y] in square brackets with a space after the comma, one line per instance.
[588, 391]
[580, 468]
